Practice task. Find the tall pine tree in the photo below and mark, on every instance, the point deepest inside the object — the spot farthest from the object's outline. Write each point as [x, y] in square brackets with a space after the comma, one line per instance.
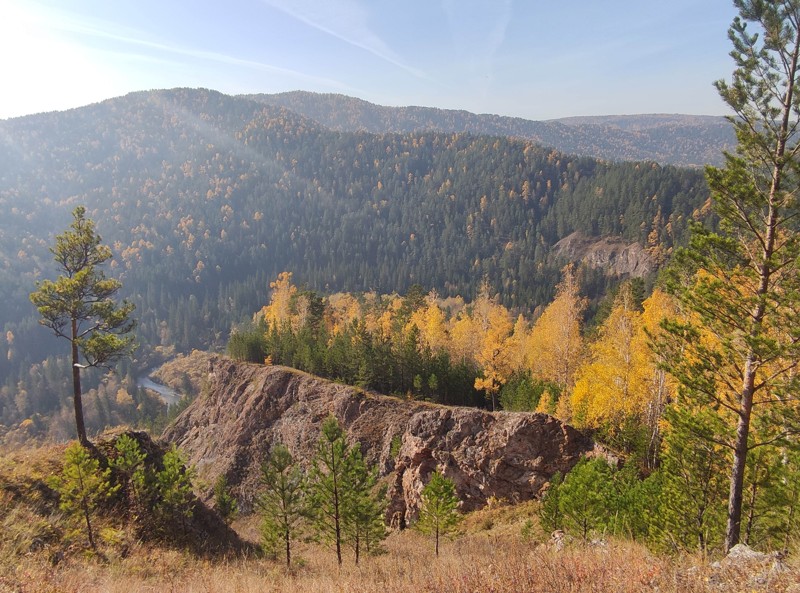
[739, 350]
[80, 306]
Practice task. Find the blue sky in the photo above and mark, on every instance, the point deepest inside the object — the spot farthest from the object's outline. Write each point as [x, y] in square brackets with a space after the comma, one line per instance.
[527, 58]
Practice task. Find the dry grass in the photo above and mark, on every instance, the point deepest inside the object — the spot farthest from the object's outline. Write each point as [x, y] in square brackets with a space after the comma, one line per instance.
[468, 565]
[490, 556]
[473, 563]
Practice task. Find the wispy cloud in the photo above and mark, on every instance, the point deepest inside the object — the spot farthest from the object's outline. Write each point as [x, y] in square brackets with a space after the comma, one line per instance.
[346, 20]
[68, 23]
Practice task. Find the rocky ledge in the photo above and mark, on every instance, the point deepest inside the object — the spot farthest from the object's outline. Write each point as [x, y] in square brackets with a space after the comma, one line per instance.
[246, 408]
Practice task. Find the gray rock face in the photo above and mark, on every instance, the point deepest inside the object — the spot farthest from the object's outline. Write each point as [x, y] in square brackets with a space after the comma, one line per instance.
[247, 408]
[610, 254]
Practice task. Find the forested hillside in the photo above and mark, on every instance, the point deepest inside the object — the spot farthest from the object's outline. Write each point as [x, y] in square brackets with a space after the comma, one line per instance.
[686, 140]
[204, 198]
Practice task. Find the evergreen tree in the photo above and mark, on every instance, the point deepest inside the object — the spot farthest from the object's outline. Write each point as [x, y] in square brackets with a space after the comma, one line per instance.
[224, 502]
[82, 486]
[174, 488]
[691, 505]
[80, 306]
[282, 501]
[586, 499]
[128, 463]
[438, 515]
[524, 393]
[363, 514]
[328, 485]
[549, 511]
[742, 283]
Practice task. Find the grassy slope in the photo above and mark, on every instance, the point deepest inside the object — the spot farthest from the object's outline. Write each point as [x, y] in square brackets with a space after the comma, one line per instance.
[490, 555]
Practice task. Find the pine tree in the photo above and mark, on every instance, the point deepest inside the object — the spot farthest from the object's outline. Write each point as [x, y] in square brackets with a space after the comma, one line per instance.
[80, 306]
[438, 515]
[328, 485]
[224, 502]
[741, 284]
[174, 488]
[586, 498]
[691, 506]
[282, 501]
[365, 505]
[549, 512]
[128, 463]
[82, 486]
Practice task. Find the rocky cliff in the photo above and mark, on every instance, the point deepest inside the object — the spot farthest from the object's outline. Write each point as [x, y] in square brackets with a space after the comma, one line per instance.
[615, 256]
[247, 408]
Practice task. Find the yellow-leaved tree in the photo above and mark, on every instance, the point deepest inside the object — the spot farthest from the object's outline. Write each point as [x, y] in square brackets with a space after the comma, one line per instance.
[661, 386]
[431, 323]
[493, 323]
[278, 312]
[555, 346]
[343, 309]
[611, 388]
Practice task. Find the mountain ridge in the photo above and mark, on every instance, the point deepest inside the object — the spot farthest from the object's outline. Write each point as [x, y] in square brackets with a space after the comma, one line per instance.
[676, 139]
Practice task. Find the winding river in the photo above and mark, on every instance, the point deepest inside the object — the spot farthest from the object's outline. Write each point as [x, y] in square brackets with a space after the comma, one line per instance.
[169, 396]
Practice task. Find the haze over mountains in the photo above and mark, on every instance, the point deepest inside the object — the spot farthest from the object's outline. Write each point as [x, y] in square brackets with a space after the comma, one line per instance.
[205, 198]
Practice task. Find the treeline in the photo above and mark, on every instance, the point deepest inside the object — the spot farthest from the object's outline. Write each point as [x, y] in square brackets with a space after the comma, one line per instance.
[477, 353]
[370, 342]
[203, 198]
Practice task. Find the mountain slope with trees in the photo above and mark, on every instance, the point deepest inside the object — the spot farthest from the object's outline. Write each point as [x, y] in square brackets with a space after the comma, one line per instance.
[686, 140]
[204, 198]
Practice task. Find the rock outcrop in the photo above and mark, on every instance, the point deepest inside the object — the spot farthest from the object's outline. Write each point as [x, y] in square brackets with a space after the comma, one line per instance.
[247, 408]
[616, 257]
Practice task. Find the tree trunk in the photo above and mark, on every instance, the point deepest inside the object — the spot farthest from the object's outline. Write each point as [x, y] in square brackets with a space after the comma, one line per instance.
[77, 397]
[88, 524]
[790, 521]
[336, 511]
[288, 548]
[734, 526]
[751, 507]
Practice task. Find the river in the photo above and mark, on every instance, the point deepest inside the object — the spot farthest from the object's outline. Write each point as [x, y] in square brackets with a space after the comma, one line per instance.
[169, 396]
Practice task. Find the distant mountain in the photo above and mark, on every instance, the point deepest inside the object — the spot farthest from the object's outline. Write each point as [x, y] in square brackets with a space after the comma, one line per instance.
[685, 140]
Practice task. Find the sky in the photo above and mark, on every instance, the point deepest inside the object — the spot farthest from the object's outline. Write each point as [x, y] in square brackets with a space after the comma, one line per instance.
[534, 59]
